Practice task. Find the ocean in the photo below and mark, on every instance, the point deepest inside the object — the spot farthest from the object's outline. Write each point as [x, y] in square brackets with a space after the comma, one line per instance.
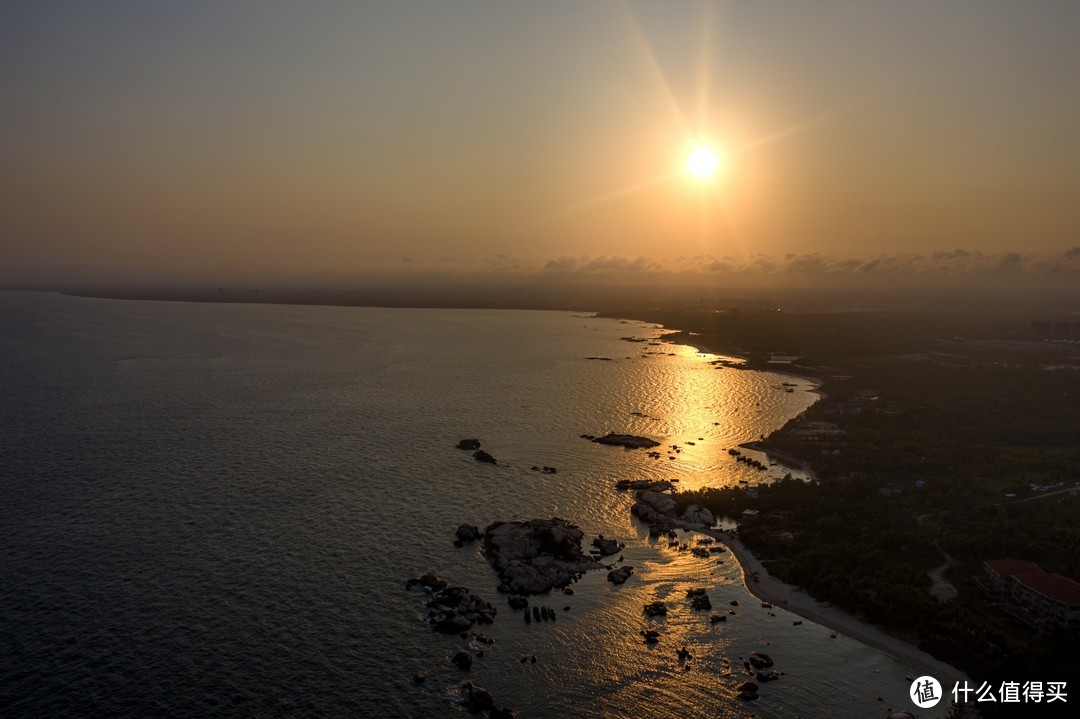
[212, 510]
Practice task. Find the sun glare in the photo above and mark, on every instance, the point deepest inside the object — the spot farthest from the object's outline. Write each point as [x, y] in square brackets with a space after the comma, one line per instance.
[702, 162]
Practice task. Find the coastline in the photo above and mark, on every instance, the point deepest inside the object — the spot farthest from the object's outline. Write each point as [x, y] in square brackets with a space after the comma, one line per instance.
[784, 596]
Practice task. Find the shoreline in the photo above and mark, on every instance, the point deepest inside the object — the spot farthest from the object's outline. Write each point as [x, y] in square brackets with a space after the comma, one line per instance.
[766, 588]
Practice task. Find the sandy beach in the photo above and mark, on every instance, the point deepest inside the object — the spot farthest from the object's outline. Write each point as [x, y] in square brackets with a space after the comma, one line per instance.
[786, 597]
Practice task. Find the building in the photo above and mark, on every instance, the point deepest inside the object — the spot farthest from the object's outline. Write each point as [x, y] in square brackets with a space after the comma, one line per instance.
[1041, 599]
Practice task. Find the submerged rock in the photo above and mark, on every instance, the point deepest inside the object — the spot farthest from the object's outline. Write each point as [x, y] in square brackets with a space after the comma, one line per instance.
[469, 444]
[482, 456]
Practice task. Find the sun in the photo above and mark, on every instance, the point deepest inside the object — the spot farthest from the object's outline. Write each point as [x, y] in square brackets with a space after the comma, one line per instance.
[702, 162]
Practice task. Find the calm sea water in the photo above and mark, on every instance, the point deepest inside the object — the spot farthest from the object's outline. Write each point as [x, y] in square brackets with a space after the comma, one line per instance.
[211, 510]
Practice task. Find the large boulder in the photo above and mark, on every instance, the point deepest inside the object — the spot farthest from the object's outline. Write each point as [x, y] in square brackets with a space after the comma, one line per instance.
[466, 533]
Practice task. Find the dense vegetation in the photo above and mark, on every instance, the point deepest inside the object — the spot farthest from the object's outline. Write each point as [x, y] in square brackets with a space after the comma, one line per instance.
[926, 447]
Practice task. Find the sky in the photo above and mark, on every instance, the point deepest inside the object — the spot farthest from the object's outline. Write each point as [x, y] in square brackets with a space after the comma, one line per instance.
[326, 140]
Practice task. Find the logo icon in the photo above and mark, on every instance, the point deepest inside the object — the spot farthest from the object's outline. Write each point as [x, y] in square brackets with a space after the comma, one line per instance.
[925, 692]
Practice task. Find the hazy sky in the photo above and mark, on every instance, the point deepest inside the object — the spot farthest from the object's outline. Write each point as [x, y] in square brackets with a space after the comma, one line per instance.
[199, 138]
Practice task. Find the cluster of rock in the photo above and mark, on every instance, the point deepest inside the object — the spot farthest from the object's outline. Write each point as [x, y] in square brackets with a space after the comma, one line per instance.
[760, 664]
[541, 614]
[699, 599]
[473, 445]
[452, 610]
[660, 511]
[534, 556]
[740, 457]
[545, 469]
[620, 575]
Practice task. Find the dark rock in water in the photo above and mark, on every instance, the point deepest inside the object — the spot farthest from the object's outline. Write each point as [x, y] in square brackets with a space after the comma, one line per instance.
[747, 691]
[620, 575]
[428, 582]
[419, 677]
[544, 613]
[684, 654]
[517, 601]
[797, 622]
[607, 546]
[482, 456]
[462, 660]
[528, 617]
[536, 613]
[656, 609]
[767, 675]
[701, 602]
[626, 440]
[651, 636]
[534, 556]
[696, 592]
[716, 618]
[469, 444]
[606, 359]
[467, 533]
[734, 602]
[760, 660]
[476, 699]
[568, 591]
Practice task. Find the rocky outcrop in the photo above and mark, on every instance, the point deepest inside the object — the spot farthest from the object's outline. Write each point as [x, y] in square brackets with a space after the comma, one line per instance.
[660, 511]
[469, 444]
[482, 456]
[620, 575]
[607, 547]
[626, 440]
[534, 556]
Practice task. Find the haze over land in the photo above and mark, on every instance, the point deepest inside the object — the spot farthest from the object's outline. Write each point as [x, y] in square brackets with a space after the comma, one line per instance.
[479, 144]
